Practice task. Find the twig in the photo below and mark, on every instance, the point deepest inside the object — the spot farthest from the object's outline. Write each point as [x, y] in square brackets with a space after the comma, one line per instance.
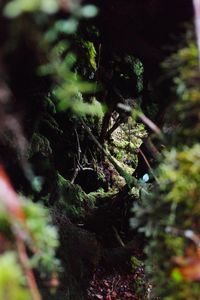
[78, 158]
[15, 211]
[196, 4]
[149, 166]
[99, 57]
[97, 68]
[27, 270]
[116, 283]
[78, 146]
[75, 175]
[118, 237]
[140, 115]
[149, 123]
[152, 148]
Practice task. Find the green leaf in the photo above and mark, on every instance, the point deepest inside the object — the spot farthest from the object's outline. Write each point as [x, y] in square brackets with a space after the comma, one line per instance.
[89, 11]
[49, 6]
[67, 26]
[176, 275]
[17, 7]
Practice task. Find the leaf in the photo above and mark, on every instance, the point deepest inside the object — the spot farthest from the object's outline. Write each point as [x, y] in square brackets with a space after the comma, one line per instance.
[15, 8]
[89, 11]
[191, 271]
[49, 6]
[188, 267]
[176, 275]
[67, 26]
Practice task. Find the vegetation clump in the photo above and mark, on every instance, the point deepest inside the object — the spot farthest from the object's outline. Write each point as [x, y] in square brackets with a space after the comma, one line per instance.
[99, 150]
[169, 214]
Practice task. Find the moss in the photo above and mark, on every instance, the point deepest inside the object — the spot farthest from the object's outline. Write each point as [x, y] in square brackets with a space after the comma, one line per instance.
[12, 279]
[73, 200]
[91, 54]
[125, 141]
[39, 144]
[138, 69]
[170, 209]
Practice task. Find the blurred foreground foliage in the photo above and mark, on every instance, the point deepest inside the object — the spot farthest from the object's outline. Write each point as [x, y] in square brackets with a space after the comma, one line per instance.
[24, 226]
[86, 131]
[169, 214]
[53, 71]
[31, 243]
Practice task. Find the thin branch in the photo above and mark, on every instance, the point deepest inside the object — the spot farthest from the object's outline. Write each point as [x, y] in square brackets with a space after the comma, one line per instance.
[75, 175]
[196, 4]
[77, 168]
[140, 115]
[149, 166]
[118, 237]
[27, 270]
[78, 146]
[149, 123]
[152, 148]
[12, 203]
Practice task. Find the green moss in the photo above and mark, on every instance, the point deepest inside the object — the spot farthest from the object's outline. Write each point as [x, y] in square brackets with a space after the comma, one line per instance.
[40, 144]
[90, 54]
[12, 280]
[173, 207]
[180, 175]
[44, 237]
[73, 200]
[138, 69]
